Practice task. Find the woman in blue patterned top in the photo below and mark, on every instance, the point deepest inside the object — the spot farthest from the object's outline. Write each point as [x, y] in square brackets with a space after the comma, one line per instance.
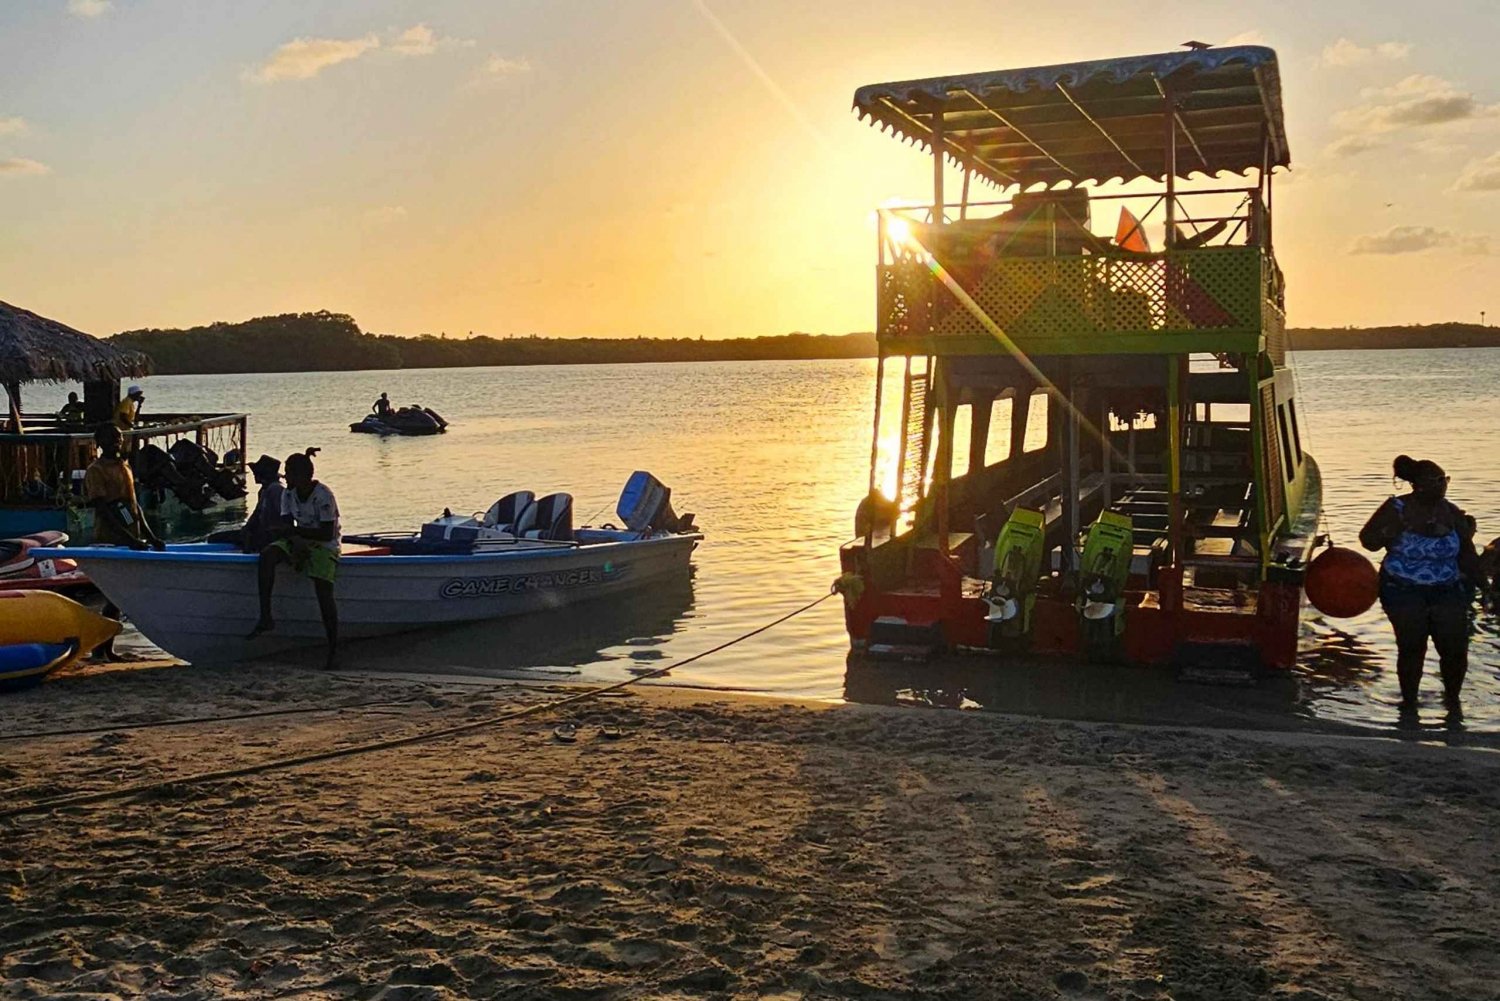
[1426, 577]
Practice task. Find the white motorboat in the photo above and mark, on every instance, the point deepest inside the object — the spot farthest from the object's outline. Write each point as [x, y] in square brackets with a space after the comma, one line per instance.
[199, 601]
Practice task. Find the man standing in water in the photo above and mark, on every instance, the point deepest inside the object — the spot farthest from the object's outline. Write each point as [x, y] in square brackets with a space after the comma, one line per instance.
[109, 488]
[309, 543]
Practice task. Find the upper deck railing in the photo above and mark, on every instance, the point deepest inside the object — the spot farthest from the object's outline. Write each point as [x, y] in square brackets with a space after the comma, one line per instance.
[1038, 274]
[37, 464]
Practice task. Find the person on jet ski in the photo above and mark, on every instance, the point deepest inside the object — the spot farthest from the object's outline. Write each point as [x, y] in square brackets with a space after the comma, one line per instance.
[382, 406]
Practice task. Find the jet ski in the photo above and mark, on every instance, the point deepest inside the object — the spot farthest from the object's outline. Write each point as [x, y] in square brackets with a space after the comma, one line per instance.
[413, 420]
[22, 570]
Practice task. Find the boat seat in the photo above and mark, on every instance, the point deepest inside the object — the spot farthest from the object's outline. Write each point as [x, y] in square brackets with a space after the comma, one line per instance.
[506, 513]
[552, 519]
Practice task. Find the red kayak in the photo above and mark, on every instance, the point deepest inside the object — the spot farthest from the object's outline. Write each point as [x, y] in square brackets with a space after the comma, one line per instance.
[21, 570]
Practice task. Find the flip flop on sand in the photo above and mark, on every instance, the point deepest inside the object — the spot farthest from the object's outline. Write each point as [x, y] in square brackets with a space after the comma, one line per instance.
[565, 733]
[611, 732]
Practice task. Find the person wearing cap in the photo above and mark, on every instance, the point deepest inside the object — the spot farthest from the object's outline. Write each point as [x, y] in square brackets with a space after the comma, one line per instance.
[128, 410]
[265, 522]
[308, 542]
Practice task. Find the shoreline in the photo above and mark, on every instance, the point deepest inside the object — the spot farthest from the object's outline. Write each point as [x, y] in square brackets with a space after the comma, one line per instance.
[728, 845]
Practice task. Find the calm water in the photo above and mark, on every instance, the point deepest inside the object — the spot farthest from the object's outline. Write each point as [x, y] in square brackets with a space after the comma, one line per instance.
[772, 457]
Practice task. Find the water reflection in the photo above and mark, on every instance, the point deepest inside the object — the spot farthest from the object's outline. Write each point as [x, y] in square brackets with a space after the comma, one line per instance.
[1042, 687]
[773, 457]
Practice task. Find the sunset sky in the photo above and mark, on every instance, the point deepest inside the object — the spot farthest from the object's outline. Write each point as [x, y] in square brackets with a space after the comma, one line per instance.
[653, 167]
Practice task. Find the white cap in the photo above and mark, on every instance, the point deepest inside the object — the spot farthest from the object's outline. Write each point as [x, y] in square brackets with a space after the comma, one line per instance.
[134, 390]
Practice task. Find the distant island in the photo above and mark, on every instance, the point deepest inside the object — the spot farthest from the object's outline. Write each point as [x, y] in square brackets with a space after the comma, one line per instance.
[331, 342]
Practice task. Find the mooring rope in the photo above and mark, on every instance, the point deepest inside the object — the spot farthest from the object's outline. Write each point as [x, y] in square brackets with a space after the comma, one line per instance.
[278, 764]
[194, 720]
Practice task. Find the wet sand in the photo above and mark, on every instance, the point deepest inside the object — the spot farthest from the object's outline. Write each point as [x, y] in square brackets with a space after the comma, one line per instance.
[726, 847]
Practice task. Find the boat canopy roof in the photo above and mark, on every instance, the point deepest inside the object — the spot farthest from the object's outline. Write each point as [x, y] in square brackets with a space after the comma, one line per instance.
[1096, 121]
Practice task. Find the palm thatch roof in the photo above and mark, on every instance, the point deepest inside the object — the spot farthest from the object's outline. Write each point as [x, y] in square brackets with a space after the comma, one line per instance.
[36, 349]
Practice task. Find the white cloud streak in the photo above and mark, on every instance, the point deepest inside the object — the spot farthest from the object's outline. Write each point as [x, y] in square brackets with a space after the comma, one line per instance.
[1480, 175]
[1416, 101]
[1344, 53]
[89, 8]
[418, 40]
[18, 166]
[1418, 239]
[501, 66]
[305, 58]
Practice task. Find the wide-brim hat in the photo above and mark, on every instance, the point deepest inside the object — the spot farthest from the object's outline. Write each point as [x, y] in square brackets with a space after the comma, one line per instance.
[266, 466]
[135, 391]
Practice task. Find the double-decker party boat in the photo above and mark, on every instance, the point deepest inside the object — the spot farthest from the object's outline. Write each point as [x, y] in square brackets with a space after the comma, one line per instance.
[1086, 441]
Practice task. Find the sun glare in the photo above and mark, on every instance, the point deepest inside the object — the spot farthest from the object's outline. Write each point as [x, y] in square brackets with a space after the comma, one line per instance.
[898, 229]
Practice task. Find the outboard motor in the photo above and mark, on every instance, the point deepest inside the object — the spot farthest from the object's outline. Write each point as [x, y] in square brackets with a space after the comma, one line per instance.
[646, 506]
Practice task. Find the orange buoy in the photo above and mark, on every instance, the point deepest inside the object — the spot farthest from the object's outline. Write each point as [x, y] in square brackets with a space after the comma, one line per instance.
[1342, 583]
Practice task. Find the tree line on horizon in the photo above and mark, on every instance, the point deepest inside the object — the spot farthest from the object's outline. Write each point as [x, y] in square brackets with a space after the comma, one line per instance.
[331, 342]
[328, 342]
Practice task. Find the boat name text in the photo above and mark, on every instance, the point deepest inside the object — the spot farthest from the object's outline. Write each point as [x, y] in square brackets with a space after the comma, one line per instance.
[484, 587]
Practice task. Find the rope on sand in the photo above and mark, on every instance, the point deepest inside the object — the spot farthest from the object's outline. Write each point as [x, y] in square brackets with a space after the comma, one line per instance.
[278, 764]
[192, 720]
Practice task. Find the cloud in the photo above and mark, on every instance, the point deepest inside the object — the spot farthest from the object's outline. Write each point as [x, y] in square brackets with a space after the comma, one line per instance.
[1346, 53]
[1480, 175]
[1251, 37]
[421, 40]
[500, 66]
[1352, 145]
[12, 126]
[89, 8]
[305, 58]
[1418, 100]
[20, 166]
[1416, 239]
[418, 40]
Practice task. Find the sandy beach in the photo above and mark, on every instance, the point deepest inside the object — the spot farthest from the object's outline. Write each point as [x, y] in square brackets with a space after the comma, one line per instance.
[724, 847]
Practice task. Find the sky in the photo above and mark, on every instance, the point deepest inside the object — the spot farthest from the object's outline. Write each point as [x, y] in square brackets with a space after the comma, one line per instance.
[661, 168]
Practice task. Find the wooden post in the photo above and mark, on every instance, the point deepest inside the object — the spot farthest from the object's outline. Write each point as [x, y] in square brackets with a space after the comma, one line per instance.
[13, 394]
[1174, 457]
[943, 460]
[875, 434]
[937, 166]
[1106, 454]
[1170, 154]
[1071, 477]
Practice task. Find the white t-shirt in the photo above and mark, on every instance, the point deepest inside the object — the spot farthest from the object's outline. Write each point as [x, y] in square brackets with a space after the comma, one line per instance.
[319, 509]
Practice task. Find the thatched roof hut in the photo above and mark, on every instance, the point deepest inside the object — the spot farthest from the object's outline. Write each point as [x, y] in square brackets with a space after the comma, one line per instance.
[36, 349]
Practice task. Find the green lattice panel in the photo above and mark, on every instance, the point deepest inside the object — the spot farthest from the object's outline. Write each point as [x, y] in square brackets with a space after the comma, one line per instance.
[1188, 291]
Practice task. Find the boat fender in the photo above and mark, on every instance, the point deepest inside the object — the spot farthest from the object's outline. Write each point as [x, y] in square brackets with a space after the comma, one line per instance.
[1341, 583]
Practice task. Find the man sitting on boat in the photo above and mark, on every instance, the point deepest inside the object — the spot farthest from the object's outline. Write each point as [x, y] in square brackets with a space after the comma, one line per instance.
[128, 410]
[382, 406]
[264, 524]
[309, 543]
[109, 488]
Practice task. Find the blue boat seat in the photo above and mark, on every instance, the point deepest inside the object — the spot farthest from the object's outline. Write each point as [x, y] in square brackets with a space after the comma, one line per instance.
[507, 512]
[552, 519]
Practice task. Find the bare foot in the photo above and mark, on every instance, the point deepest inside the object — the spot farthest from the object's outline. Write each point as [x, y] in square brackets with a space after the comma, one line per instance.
[262, 626]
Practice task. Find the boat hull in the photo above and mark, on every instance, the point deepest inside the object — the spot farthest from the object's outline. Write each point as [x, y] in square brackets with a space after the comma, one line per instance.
[199, 602]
